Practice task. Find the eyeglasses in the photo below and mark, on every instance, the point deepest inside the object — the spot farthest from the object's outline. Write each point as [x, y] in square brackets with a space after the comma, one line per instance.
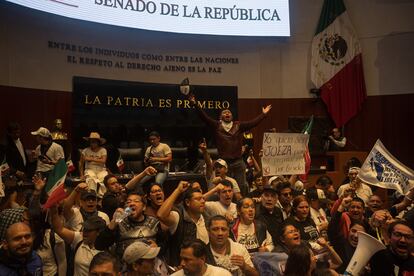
[399, 235]
[286, 194]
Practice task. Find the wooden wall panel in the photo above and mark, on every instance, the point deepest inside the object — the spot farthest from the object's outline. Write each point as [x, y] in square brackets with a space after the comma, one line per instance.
[389, 118]
[33, 108]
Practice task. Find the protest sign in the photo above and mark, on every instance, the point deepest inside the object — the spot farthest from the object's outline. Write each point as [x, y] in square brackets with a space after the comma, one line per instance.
[283, 153]
[382, 169]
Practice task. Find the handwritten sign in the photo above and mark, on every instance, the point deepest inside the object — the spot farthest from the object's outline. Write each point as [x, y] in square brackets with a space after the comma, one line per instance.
[283, 153]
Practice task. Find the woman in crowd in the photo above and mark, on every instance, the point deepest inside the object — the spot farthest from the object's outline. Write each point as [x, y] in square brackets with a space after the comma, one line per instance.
[289, 237]
[250, 232]
[302, 220]
[92, 163]
[301, 261]
[155, 198]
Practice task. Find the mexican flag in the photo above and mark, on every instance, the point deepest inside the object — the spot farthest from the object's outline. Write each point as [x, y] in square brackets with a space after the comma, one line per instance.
[4, 167]
[55, 184]
[336, 65]
[120, 163]
[307, 130]
[70, 165]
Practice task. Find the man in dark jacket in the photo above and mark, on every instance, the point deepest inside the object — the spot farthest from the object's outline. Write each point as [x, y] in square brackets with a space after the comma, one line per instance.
[17, 256]
[268, 213]
[187, 223]
[229, 140]
[16, 156]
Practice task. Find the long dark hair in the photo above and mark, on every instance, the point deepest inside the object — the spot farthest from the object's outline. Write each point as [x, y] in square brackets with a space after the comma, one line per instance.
[299, 261]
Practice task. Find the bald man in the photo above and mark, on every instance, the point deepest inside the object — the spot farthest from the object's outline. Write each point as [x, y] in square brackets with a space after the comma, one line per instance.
[16, 255]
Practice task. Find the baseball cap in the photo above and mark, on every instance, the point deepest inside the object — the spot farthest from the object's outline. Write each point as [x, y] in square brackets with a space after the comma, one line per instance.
[94, 222]
[9, 217]
[221, 162]
[139, 250]
[42, 131]
[276, 177]
[269, 188]
[88, 194]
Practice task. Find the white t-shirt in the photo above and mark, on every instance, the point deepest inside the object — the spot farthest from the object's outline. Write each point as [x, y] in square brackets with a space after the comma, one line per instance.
[162, 150]
[363, 192]
[91, 165]
[83, 256]
[75, 222]
[211, 271]
[213, 208]
[202, 233]
[55, 152]
[224, 260]
[246, 236]
[318, 216]
[50, 267]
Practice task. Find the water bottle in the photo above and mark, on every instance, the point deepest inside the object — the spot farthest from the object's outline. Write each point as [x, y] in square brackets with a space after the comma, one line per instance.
[121, 216]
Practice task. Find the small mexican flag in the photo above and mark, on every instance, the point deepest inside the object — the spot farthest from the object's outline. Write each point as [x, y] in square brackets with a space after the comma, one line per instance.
[336, 65]
[71, 167]
[55, 184]
[4, 167]
[120, 163]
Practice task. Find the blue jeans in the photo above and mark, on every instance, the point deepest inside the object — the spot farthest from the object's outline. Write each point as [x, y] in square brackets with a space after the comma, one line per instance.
[237, 170]
[160, 178]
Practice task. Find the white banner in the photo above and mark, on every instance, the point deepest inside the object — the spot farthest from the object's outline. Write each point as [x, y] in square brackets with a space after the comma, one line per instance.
[382, 169]
[214, 17]
[283, 153]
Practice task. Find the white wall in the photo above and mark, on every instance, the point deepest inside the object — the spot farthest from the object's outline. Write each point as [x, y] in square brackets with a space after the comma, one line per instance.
[268, 68]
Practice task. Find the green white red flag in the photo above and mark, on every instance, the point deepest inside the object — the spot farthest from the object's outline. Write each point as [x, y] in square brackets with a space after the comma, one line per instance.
[4, 167]
[70, 165]
[120, 163]
[336, 65]
[55, 184]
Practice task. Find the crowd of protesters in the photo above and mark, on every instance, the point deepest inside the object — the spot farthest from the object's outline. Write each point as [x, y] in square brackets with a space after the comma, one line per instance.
[243, 224]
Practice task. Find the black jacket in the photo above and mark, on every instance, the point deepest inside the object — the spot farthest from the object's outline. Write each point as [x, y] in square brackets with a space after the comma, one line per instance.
[273, 221]
[13, 157]
[186, 231]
